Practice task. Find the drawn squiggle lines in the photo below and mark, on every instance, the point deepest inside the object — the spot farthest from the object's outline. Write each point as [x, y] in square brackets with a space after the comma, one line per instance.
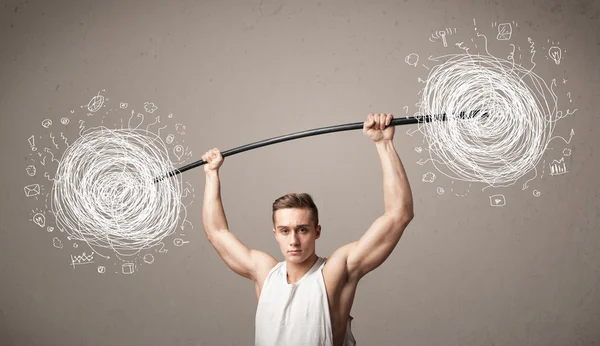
[106, 195]
[498, 149]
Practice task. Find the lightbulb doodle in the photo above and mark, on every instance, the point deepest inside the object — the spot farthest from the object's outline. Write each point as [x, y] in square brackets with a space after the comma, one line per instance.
[92, 186]
[466, 72]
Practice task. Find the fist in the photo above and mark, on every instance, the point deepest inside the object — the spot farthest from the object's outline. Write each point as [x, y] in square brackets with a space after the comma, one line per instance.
[213, 159]
[376, 127]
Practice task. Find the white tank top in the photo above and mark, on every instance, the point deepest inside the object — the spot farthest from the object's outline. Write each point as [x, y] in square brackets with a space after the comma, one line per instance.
[296, 314]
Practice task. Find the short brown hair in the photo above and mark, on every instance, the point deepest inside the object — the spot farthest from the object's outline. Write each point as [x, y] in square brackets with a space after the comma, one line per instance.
[297, 200]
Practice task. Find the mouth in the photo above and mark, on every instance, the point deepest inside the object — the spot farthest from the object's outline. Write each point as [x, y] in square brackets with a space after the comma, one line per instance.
[294, 251]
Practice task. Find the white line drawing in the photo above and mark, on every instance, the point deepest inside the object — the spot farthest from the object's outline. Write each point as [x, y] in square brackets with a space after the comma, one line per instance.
[51, 154]
[65, 138]
[113, 203]
[566, 152]
[461, 194]
[178, 151]
[81, 126]
[569, 95]
[497, 200]
[442, 34]
[411, 132]
[32, 190]
[536, 193]
[39, 219]
[57, 243]
[31, 141]
[47, 176]
[558, 167]
[95, 103]
[103, 194]
[82, 259]
[428, 177]
[150, 107]
[504, 32]
[179, 242]
[123, 105]
[162, 248]
[170, 138]
[148, 258]
[418, 149]
[30, 170]
[555, 53]
[177, 126]
[156, 121]
[186, 192]
[532, 46]
[162, 128]
[501, 148]
[412, 59]
[53, 142]
[139, 115]
[101, 269]
[440, 190]
[128, 268]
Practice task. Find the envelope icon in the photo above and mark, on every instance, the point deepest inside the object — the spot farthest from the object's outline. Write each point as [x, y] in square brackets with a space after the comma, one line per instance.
[32, 190]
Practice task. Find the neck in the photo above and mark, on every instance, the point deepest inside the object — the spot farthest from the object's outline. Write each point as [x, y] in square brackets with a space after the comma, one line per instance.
[295, 271]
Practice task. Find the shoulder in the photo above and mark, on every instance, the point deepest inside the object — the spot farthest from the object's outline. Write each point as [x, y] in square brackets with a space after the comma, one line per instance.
[335, 268]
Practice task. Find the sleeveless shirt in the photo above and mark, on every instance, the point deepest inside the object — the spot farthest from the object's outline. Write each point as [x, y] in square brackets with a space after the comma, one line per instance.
[296, 314]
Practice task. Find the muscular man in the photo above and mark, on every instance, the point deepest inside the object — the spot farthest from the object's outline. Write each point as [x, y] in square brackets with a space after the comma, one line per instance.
[306, 299]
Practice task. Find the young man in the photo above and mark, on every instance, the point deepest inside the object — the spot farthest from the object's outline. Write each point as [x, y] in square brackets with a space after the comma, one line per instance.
[306, 299]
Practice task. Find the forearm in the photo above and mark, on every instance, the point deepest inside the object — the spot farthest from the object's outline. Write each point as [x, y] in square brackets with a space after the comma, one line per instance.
[397, 194]
[213, 215]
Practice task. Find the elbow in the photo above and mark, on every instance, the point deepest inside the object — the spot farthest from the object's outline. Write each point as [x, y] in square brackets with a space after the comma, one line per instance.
[403, 216]
[407, 216]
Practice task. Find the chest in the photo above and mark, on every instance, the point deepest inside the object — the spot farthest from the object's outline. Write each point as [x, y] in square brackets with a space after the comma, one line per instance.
[338, 296]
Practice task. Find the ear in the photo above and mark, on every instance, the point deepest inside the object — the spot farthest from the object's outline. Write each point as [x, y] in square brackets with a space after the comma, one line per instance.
[318, 232]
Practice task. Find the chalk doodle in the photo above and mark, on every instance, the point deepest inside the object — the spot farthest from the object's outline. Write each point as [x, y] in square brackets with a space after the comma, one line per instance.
[97, 189]
[465, 73]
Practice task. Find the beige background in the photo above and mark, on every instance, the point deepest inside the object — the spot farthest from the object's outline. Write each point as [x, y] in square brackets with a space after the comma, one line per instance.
[235, 72]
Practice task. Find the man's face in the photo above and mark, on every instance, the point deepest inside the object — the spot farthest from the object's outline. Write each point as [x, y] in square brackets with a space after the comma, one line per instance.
[294, 230]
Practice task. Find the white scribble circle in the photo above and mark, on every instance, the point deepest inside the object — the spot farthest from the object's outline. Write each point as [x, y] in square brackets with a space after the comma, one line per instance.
[104, 192]
[494, 150]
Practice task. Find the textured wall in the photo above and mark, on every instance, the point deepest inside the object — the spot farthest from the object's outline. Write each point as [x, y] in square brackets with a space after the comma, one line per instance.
[511, 265]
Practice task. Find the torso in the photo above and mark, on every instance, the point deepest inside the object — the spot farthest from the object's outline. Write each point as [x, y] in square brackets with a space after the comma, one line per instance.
[340, 292]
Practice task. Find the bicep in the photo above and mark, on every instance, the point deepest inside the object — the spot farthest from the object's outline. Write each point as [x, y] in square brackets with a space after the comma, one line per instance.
[237, 256]
[375, 246]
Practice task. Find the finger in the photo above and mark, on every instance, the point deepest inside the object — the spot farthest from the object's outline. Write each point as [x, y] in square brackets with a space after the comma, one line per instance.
[388, 120]
[369, 121]
[380, 122]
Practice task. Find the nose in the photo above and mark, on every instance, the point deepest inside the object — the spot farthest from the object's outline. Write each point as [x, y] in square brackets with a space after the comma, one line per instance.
[294, 240]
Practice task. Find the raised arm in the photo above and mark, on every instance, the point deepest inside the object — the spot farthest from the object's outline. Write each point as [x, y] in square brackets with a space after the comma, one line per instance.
[238, 257]
[374, 247]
